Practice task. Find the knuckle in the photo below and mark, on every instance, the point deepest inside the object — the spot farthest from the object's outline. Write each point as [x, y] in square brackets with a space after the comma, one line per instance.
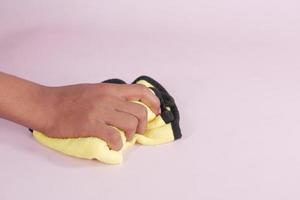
[145, 90]
[142, 88]
[114, 138]
[105, 98]
[91, 114]
[107, 89]
[91, 106]
[132, 123]
[142, 112]
[103, 86]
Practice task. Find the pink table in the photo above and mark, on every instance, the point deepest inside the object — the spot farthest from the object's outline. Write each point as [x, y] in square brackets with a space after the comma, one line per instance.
[232, 66]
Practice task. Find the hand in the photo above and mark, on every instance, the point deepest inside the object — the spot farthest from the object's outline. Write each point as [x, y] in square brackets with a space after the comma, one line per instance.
[85, 110]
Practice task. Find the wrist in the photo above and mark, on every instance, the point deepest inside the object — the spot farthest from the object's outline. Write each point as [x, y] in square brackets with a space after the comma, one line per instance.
[27, 103]
[44, 112]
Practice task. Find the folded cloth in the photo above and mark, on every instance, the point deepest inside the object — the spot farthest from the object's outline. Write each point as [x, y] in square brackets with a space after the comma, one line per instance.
[160, 129]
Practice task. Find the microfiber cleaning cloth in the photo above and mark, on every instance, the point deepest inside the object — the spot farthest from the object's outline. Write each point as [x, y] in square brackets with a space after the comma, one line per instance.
[160, 129]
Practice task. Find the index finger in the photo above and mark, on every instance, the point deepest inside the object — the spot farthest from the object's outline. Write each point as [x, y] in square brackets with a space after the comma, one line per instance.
[138, 92]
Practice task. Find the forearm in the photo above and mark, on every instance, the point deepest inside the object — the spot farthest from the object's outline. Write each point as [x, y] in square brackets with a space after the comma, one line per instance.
[22, 101]
[81, 110]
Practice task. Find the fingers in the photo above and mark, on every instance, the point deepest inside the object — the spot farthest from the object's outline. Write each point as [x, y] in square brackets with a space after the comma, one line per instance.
[109, 134]
[134, 109]
[114, 109]
[126, 116]
[138, 92]
[138, 111]
[124, 121]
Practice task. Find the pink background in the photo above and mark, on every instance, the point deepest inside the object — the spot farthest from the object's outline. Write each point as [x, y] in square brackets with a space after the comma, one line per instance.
[233, 67]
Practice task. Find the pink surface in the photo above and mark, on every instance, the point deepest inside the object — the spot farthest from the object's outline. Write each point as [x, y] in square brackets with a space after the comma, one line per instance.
[233, 67]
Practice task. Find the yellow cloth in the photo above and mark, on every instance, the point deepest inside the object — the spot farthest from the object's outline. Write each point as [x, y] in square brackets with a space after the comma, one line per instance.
[157, 132]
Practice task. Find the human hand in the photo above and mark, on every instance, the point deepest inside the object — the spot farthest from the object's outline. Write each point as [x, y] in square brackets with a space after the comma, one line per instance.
[85, 110]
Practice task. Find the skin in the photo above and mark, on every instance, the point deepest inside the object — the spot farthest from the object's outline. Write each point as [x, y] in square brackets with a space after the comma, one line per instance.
[80, 110]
